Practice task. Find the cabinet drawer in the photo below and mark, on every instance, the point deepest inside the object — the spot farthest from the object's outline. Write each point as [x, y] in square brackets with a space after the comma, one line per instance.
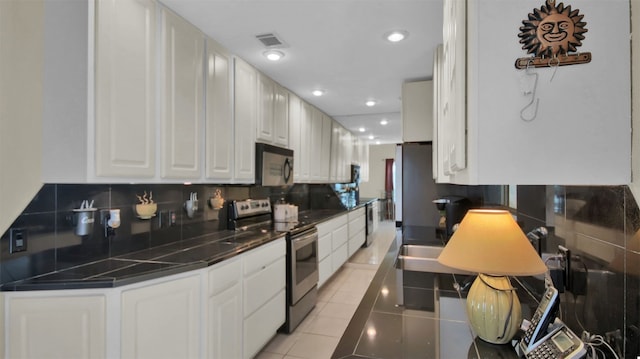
[331, 225]
[324, 246]
[339, 237]
[262, 256]
[356, 213]
[325, 270]
[224, 275]
[356, 225]
[356, 241]
[263, 324]
[263, 285]
[339, 257]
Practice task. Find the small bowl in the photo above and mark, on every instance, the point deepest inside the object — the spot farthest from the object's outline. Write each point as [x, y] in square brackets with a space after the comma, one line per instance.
[146, 210]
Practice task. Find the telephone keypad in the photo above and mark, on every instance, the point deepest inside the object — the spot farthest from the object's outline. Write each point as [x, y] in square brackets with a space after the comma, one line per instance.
[545, 351]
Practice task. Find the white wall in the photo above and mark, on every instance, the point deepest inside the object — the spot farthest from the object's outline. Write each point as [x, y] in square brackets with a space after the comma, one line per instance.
[635, 100]
[21, 71]
[374, 188]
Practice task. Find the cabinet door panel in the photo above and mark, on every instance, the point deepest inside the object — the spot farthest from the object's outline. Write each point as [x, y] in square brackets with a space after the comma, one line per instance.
[219, 118]
[280, 116]
[57, 327]
[294, 133]
[265, 109]
[162, 320]
[183, 109]
[224, 339]
[245, 122]
[263, 324]
[125, 88]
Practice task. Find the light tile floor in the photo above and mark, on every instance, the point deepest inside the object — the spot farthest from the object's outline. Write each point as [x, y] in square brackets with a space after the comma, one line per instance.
[318, 335]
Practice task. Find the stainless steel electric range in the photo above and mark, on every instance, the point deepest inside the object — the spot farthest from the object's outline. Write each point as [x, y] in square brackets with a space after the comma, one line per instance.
[302, 254]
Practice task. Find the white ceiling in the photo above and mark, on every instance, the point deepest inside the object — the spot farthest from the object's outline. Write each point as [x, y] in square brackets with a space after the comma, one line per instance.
[334, 45]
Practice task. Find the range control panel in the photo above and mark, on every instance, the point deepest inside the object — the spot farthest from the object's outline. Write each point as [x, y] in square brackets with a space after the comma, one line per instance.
[251, 207]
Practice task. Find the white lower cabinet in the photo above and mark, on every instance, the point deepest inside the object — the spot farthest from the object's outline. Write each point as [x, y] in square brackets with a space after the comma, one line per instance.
[357, 229]
[263, 295]
[162, 320]
[223, 336]
[55, 324]
[333, 236]
[324, 257]
[229, 310]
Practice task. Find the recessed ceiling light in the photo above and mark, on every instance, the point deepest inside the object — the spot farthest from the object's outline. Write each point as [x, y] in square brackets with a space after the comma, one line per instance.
[371, 137]
[274, 55]
[361, 129]
[384, 122]
[370, 103]
[377, 142]
[396, 35]
[318, 92]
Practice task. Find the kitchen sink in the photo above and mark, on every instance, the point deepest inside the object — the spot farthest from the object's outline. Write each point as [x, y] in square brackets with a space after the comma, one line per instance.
[419, 258]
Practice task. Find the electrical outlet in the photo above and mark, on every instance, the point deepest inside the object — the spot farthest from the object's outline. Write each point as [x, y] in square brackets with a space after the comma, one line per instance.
[17, 240]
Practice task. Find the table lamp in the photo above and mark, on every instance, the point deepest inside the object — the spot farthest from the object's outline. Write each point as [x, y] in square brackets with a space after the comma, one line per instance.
[490, 243]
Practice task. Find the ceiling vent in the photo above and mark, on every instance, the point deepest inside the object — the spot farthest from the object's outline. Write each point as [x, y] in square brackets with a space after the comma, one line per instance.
[271, 41]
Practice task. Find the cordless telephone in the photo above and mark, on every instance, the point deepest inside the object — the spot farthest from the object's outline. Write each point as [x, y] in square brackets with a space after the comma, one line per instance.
[548, 337]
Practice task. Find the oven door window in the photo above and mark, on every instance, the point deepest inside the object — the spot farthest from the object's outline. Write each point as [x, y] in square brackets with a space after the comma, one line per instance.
[306, 261]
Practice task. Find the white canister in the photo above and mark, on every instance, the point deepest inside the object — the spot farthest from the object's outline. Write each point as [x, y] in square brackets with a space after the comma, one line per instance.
[280, 212]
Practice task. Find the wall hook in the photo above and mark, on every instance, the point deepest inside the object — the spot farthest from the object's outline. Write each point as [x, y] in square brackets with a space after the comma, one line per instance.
[532, 93]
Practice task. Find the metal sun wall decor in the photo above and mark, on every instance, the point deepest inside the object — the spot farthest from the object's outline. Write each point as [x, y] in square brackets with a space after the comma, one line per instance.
[552, 34]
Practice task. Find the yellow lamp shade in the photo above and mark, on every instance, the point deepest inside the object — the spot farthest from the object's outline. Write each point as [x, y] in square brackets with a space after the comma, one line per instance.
[490, 241]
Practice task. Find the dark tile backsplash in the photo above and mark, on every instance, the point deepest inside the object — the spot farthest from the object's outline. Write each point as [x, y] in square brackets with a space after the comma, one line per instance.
[600, 226]
[50, 222]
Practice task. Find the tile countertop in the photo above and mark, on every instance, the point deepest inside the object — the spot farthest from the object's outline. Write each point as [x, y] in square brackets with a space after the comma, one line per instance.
[164, 260]
[406, 314]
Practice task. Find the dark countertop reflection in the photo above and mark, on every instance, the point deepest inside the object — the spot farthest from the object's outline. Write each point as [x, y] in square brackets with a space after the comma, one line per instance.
[407, 314]
[168, 259]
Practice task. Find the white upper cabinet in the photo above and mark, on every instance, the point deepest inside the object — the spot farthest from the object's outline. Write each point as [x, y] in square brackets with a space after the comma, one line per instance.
[125, 72]
[280, 116]
[273, 113]
[295, 123]
[342, 146]
[219, 116]
[417, 111]
[182, 97]
[245, 105]
[303, 159]
[565, 125]
[265, 125]
[325, 148]
[315, 147]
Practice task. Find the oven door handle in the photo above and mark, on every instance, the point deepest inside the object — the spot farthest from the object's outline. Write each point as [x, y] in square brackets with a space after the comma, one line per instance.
[304, 240]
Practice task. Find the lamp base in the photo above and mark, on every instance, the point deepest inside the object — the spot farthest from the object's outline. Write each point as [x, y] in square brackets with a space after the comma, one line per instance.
[493, 309]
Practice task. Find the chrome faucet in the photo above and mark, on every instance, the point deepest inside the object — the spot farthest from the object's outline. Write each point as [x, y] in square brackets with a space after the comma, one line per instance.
[536, 236]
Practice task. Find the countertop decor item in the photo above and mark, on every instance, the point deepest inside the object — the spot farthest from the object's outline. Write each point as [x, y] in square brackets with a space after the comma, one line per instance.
[216, 201]
[191, 205]
[147, 208]
[491, 243]
[84, 218]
